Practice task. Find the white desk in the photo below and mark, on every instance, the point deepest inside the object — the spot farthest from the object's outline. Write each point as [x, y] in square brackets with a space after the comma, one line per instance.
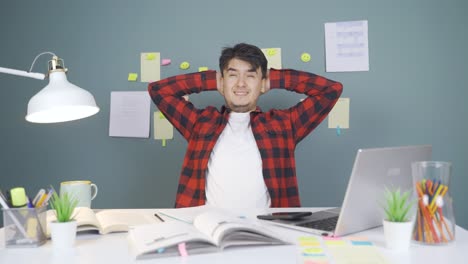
[113, 248]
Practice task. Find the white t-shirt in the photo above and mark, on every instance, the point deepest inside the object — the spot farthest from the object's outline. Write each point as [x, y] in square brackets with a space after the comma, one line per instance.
[234, 176]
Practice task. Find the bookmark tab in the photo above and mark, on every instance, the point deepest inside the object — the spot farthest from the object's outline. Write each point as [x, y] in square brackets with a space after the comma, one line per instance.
[182, 250]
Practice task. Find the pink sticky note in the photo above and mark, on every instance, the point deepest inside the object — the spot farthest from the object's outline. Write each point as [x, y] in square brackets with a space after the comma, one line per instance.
[165, 62]
[182, 250]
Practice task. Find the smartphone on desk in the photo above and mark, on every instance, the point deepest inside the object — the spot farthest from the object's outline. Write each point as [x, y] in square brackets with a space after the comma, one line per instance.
[284, 216]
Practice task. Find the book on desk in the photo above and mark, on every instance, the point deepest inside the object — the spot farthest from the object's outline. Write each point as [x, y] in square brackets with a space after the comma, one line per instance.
[211, 231]
[104, 221]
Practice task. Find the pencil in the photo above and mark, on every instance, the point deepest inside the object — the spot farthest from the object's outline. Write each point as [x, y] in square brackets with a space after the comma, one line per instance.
[157, 216]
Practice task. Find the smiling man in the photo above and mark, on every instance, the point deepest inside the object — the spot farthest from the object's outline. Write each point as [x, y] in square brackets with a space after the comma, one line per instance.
[239, 156]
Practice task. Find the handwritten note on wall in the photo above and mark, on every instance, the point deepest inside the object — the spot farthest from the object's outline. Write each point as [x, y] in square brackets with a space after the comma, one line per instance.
[347, 47]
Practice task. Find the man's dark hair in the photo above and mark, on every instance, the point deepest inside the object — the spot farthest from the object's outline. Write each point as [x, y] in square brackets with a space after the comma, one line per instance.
[246, 52]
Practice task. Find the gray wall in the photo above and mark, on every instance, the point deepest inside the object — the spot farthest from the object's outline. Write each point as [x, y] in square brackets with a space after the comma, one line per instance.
[413, 94]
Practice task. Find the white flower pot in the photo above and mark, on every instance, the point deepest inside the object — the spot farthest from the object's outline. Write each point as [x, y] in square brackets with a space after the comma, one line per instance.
[398, 234]
[63, 235]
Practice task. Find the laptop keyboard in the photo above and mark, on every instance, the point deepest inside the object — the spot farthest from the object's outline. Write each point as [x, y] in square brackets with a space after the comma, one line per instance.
[327, 224]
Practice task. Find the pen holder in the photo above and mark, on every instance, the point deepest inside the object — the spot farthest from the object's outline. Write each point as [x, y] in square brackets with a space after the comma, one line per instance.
[25, 227]
[435, 220]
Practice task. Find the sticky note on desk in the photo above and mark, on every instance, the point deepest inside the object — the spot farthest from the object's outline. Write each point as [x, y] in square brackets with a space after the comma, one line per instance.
[150, 66]
[339, 115]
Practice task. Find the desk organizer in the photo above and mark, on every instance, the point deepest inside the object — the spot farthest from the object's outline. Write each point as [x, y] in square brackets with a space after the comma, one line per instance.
[25, 227]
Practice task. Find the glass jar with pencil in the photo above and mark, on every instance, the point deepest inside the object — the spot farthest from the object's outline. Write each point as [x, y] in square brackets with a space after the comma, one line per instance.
[435, 220]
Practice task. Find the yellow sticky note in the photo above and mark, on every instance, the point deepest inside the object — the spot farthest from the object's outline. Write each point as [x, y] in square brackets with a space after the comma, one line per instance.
[313, 250]
[200, 69]
[132, 77]
[150, 56]
[309, 243]
[162, 128]
[308, 238]
[150, 67]
[335, 242]
[273, 56]
[339, 115]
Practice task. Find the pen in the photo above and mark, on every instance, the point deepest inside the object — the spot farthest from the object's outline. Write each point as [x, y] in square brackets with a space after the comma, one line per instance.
[45, 198]
[157, 216]
[38, 196]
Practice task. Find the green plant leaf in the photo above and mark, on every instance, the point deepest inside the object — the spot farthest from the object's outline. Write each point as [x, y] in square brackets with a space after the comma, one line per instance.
[64, 205]
[397, 205]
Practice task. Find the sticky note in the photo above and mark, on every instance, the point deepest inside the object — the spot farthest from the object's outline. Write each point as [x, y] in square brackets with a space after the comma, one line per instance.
[273, 55]
[271, 52]
[308, 238]
[309, 243]
[316, 261]
[305, 57]
[335, 242]
[357, 238]
[361, 243]
[150, 69]
[150, 56]
[184, 65]
[162, 128]
[312, 250]
[339, 115]
[165, 62]
[200, 69]
[132, 77]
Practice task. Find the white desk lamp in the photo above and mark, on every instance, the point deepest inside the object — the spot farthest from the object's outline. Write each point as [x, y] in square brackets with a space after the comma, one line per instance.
[60, 100]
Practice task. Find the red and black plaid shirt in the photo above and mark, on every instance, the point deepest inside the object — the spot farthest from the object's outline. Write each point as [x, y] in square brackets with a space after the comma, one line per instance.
[276, 132]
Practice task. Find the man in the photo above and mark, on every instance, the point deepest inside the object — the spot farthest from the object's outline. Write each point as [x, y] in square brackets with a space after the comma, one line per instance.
[239, 156]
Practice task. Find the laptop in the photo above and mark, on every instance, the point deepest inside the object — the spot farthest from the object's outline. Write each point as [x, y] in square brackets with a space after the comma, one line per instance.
[373, 170]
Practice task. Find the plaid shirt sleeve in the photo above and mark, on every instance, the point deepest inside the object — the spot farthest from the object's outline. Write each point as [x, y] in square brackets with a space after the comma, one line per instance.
[168, 94]
[322, 94]
[279, 131]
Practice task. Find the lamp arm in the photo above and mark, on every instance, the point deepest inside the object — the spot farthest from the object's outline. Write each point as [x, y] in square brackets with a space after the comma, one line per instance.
[34, 75]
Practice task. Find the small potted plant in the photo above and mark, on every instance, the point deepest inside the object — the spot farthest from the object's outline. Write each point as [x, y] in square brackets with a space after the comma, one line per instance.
[398, 224]
[63, 229]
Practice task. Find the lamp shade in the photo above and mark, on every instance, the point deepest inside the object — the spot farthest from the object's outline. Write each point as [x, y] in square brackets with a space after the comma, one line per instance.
[60, 101]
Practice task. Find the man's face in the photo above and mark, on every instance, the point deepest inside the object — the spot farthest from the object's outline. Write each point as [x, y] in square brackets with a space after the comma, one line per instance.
[241, 85]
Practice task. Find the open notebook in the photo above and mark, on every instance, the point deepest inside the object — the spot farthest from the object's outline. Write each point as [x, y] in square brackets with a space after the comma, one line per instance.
[373, 170]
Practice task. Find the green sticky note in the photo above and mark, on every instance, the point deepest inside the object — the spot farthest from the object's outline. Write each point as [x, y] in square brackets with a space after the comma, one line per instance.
[200, 69]
[150, 56]
[132, 77]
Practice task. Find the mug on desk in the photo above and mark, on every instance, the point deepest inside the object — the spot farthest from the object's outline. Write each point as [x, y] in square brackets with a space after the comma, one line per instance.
[83, 191]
